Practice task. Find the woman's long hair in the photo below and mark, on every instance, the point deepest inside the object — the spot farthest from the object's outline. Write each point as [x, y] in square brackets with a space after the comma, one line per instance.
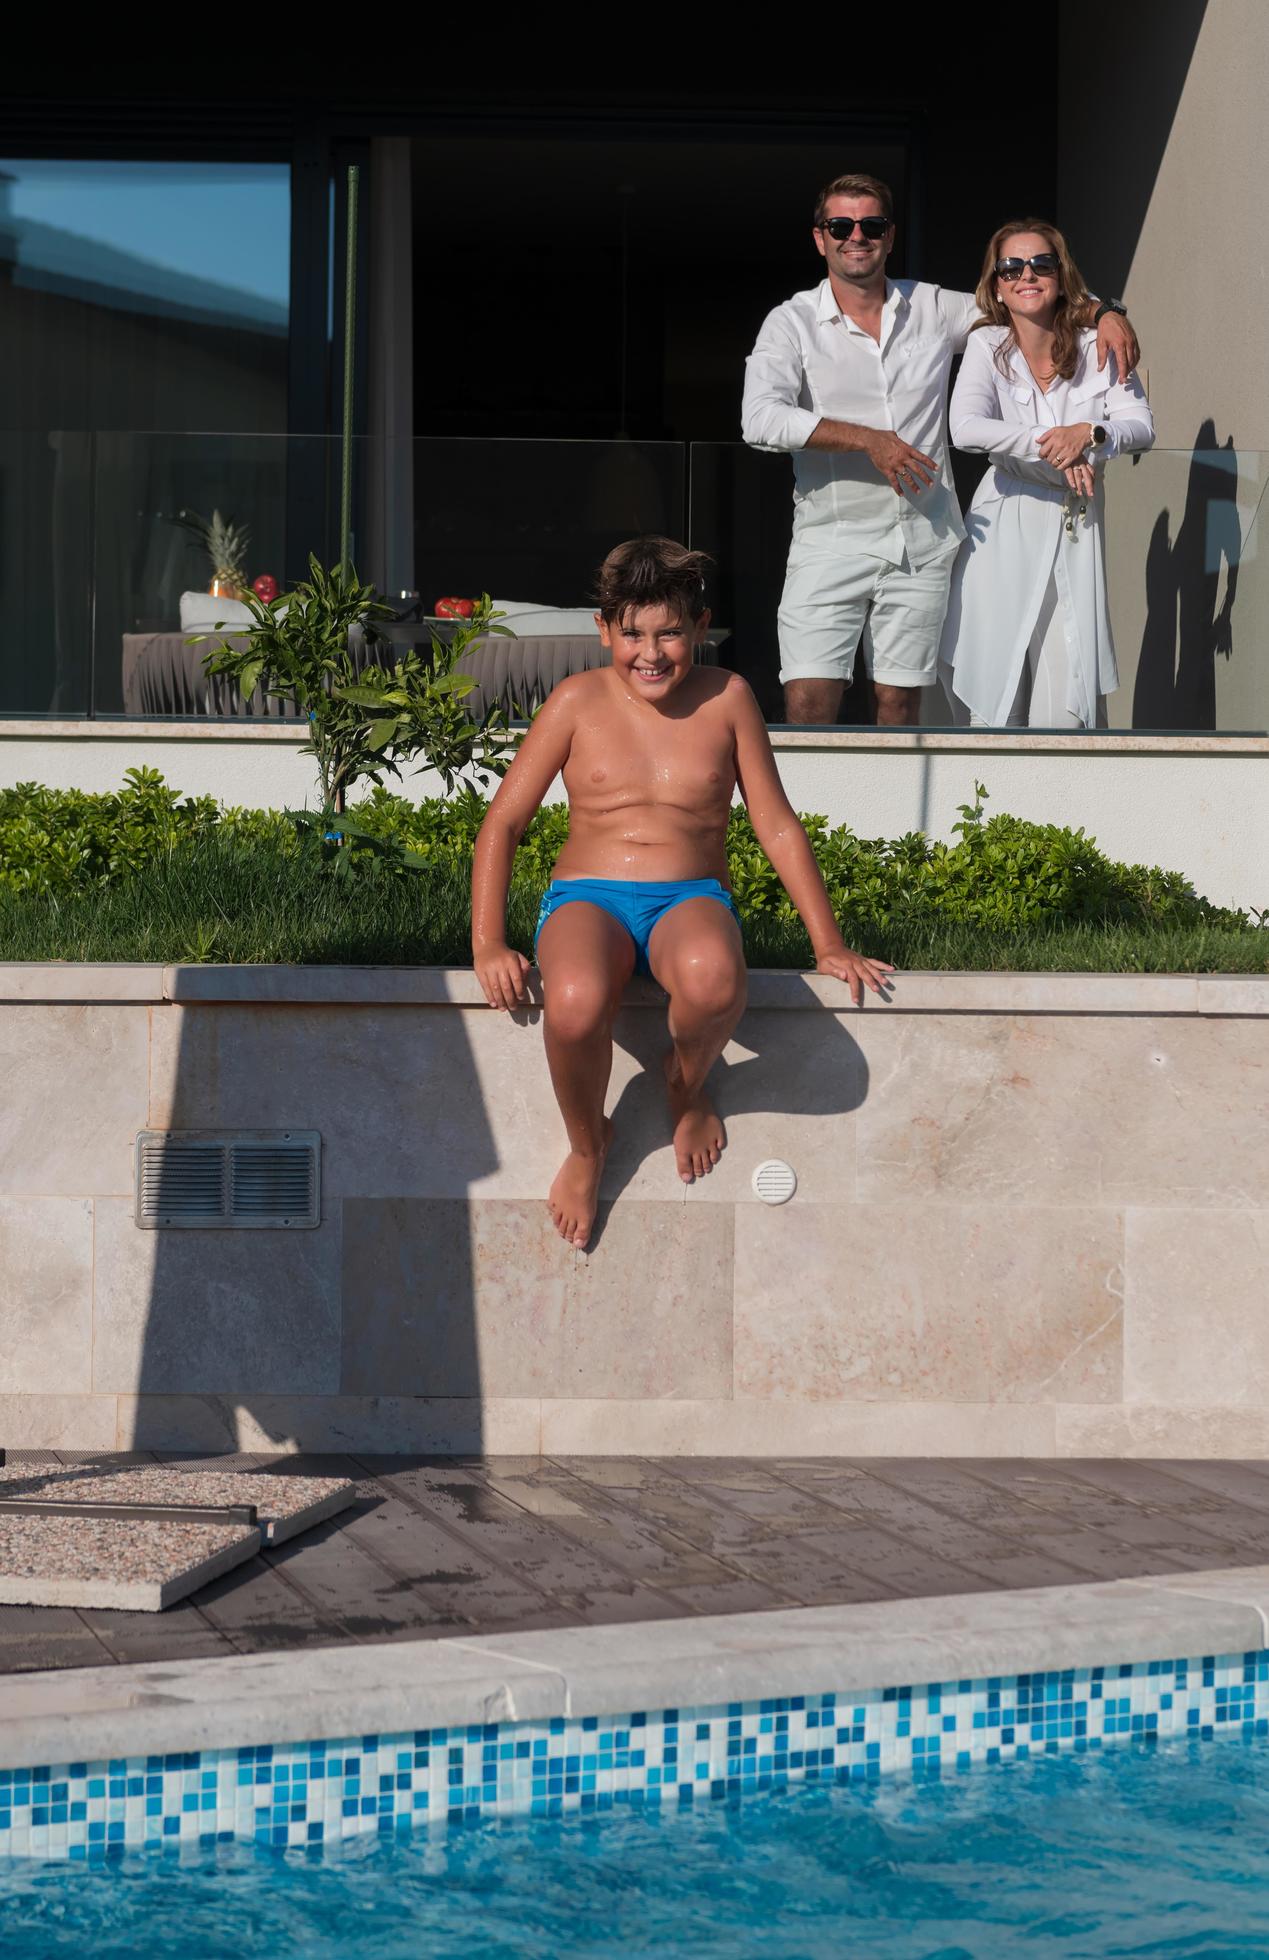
[1072, 303]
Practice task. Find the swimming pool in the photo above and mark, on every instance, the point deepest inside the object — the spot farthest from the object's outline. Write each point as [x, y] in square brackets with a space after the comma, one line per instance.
[306, 1794]
[1144, 1849]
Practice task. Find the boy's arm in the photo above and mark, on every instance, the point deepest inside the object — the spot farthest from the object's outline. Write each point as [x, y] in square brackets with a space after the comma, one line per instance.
[541, 756]
[778, 830]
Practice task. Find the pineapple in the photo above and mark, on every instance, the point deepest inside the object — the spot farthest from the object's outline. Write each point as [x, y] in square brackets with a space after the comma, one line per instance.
[226, 546]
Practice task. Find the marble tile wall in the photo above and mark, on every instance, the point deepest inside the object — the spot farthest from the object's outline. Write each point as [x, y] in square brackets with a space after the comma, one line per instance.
[1014, 1233]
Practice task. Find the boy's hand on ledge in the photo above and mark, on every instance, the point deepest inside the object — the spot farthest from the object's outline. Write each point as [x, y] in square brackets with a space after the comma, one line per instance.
[855, 970]
[501, 972]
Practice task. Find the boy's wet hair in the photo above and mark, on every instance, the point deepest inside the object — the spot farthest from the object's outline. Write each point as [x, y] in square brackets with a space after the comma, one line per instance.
[651, 572]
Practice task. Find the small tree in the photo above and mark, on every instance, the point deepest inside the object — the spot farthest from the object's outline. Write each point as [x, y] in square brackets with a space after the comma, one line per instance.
[297, 649]
[363, 723]
[418, 710]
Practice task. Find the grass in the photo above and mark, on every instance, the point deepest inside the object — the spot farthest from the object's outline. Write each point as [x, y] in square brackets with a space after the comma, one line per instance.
[217, 901]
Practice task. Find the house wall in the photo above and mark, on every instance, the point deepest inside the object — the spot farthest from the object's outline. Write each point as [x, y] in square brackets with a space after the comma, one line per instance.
[1162, 170]
[1032, 1218]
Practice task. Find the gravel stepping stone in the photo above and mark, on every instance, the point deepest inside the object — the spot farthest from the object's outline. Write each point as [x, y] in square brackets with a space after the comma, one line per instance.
[138, 1563]
[284, 1504]
[144, 1564]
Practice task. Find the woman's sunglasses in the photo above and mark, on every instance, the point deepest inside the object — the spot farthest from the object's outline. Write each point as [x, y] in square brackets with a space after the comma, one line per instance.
[840, 228]
[1011, 269]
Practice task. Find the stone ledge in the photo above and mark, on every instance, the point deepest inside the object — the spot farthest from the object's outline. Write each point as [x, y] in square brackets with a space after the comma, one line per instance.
[784, 739]
[200, 728]
[94, 1713]
[44, 983]
[1219, 995]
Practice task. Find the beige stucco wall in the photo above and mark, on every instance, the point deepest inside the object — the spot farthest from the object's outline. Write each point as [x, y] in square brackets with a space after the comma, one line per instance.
[1032, 1218]
[1163, 176]
[1196, 272]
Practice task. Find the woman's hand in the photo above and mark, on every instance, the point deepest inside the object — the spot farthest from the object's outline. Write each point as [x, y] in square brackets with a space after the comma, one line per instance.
[1081, 478]
[501, 972]
[1064, 446]
[855, 970]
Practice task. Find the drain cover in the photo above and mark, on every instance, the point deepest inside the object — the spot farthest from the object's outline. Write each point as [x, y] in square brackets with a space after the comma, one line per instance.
[775, 1181]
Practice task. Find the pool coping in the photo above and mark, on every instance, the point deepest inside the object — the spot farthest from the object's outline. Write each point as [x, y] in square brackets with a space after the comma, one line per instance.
[1202, 995]
[161, 1707]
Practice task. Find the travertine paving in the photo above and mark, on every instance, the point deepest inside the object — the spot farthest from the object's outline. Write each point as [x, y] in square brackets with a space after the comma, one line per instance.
[432, 1547]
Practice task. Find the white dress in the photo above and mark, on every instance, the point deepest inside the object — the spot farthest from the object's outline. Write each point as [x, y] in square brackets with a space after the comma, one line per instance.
[1031, 575]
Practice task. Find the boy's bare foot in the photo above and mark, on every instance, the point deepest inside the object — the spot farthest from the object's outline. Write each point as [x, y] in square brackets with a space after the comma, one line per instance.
[699, 1136]
[574, 1197]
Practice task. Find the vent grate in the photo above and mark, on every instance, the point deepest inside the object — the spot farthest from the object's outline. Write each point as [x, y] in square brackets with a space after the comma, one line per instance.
[775, 1181]
[228, 1179]
[270, 1180]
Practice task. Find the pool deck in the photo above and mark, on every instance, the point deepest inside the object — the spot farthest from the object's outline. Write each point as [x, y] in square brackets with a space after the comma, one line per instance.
[486, 1549]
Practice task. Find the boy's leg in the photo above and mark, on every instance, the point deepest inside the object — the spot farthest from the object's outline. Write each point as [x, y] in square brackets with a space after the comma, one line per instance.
[696, 954]
[586, 958]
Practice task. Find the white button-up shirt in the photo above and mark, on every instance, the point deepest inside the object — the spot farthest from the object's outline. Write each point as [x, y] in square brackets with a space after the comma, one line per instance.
[811, 362]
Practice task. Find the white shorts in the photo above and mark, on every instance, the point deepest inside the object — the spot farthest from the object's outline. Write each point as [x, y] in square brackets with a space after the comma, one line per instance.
[833, 597]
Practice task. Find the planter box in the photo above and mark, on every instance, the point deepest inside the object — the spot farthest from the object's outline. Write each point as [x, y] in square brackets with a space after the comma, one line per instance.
[1032, 1218]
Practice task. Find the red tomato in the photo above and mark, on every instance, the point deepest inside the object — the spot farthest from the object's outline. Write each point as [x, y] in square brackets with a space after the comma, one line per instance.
[455, 608]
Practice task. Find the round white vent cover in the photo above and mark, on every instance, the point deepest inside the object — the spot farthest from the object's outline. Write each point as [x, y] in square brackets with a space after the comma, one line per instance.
[775, 1181]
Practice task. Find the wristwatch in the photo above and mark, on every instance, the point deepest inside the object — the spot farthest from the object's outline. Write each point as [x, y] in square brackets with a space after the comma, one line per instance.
[1098, 437]
[1110, 306]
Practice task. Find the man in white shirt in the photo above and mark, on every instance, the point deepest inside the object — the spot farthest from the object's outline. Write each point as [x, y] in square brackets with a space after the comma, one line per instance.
[852, 379]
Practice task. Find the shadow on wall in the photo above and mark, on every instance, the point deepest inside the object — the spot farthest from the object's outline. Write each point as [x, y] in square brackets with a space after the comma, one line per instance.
[366, 1334]
[1188, 625]
[361, 1333]
[779, 1078]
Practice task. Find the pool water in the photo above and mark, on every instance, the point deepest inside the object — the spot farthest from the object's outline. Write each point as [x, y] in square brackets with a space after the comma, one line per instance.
[1137, 1850]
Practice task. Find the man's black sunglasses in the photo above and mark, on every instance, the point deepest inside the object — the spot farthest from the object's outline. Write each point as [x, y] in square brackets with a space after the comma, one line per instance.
[1011, 269]
[840, 228]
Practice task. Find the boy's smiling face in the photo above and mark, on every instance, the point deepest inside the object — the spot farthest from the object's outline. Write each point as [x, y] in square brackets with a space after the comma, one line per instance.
[653, 648]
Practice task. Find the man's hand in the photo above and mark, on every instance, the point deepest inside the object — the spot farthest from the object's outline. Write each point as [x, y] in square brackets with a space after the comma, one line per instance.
[1063, 447]
[501, 971]
[855, 970]
[1115, 336]
[904, 468]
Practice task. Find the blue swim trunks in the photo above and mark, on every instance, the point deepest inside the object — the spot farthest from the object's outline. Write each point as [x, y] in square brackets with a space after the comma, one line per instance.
[634, 904]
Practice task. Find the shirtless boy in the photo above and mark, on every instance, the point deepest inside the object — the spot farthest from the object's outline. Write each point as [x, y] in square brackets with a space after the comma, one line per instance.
[651, 749]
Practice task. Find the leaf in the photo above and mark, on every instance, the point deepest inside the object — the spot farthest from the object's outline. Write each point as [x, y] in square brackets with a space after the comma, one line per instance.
[381, 732]
[363, 697]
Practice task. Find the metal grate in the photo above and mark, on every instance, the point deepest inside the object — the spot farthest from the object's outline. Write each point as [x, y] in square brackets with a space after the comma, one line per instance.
[228, 1179]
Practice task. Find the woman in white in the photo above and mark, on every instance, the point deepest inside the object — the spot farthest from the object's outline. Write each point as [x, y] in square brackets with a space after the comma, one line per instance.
[1028, 637]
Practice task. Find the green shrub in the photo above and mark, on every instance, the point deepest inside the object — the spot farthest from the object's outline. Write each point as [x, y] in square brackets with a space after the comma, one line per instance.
[1000, 876]
[66, 840]
[1003, 874]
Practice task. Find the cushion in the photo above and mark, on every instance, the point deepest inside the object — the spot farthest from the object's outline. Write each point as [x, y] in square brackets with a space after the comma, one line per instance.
[529, 619]
[199, 612]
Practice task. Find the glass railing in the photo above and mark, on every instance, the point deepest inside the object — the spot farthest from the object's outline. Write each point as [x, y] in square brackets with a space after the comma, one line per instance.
[1188, 594]
[103, 583]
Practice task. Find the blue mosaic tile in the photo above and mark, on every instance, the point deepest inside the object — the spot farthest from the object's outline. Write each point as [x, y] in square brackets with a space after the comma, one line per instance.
[313, 1793]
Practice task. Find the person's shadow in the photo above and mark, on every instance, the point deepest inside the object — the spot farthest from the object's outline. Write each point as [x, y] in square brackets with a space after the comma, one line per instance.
[765, 1096]
[1186, 629]
[360, 1333]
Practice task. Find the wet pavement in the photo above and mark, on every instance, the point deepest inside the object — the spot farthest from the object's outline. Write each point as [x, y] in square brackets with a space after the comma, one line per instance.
[436, 1547]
